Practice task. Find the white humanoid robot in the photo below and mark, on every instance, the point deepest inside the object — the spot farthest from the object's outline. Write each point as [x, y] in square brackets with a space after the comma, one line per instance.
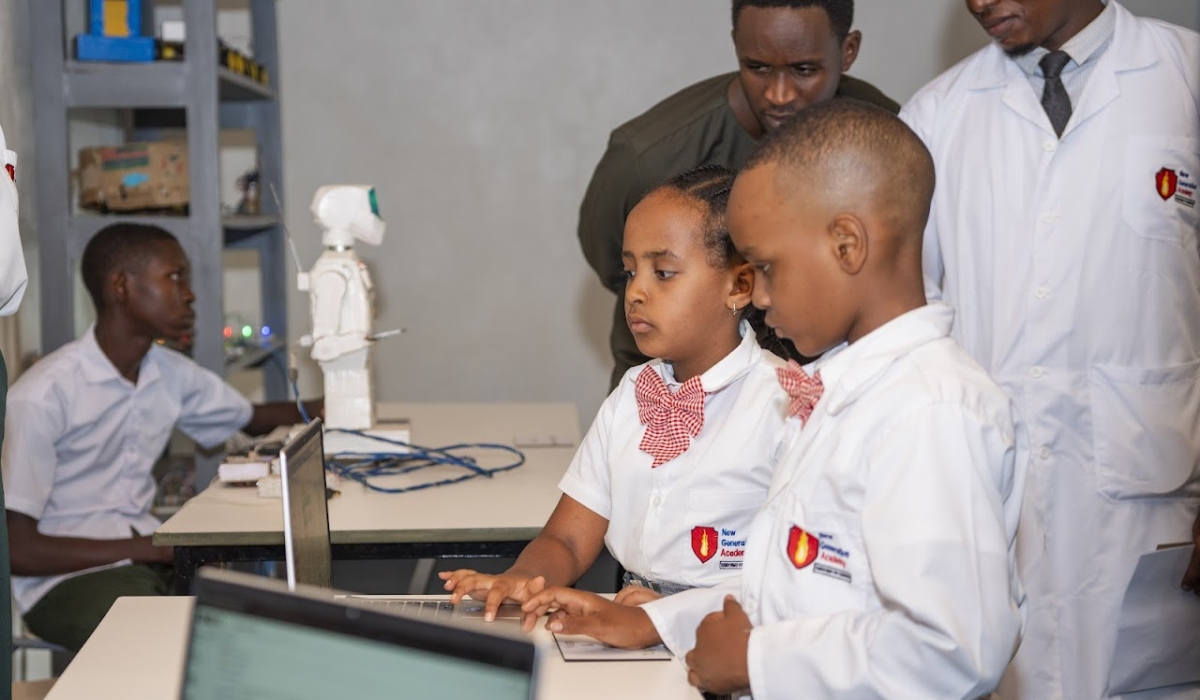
[342, 302]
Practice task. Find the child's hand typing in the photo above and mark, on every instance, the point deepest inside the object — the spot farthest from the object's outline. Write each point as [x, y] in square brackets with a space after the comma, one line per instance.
[635, 595]
[580, 612]
[493, 589]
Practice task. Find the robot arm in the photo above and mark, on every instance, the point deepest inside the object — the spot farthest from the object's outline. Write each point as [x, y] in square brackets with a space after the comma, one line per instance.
[328, 293]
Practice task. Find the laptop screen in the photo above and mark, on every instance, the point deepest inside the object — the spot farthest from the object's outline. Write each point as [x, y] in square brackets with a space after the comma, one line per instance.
[250, 642]
[305, 510]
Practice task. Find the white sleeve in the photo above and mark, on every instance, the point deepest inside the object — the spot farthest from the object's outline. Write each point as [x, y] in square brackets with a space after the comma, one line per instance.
[31, 428]
[918, 113]
[948, 620]
[587, 479]
[13, 277]
[211, 410]
[676, 617]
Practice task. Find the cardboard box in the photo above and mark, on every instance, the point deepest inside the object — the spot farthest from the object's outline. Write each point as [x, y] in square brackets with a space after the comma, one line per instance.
[136, 176]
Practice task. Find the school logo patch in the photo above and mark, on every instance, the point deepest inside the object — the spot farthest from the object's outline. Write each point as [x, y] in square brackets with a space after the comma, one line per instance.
[704, 543]
[801, 547]
[1166, 181]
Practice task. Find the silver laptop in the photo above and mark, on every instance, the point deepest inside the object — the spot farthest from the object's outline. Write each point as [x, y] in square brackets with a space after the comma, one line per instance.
[252, 638]
[307, 554]
[307, 551]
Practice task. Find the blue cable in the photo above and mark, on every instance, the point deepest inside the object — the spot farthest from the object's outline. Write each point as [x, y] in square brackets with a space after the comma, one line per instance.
[300, 404]
[376, 464]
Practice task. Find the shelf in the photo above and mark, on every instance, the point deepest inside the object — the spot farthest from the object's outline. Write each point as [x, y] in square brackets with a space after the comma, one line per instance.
[150, 84]
[198, 95]
[125, 85]
[244, 222]
[253, 357]
[237, 228]
[241, 227]
[238, 88]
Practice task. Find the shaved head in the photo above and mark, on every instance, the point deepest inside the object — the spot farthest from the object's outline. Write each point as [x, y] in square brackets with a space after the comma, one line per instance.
[860, 159]
[830, 210]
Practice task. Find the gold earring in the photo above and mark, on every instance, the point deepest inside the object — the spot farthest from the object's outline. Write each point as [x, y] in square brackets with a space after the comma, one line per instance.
[735, 310]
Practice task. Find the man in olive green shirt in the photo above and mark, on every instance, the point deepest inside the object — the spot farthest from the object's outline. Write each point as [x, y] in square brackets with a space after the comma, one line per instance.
[791, 54]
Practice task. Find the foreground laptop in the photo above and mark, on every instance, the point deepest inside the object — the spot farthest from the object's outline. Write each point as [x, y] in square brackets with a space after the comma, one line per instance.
[307, 551]
[251, 637]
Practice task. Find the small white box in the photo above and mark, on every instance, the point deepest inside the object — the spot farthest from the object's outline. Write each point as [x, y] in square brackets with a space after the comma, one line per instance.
[172, 30]
[243, 471]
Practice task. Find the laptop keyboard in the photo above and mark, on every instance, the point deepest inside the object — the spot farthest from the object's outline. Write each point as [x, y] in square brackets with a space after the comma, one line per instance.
[416, 608]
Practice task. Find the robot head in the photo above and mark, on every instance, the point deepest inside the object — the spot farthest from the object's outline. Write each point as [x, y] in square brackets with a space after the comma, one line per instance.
[347, 212]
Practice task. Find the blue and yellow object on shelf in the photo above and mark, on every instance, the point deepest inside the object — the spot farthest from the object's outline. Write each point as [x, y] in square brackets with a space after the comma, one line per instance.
[114, 33]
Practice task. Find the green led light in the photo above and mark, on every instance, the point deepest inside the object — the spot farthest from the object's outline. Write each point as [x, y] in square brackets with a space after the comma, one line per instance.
[247, 331]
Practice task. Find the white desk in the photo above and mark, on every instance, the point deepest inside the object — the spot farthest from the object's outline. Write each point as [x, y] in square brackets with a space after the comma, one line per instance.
[137, 654]
[479, 517]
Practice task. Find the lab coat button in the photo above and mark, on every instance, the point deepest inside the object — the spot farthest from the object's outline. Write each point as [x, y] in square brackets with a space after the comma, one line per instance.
[1044, 453]
[1041, 292]
[1037, 372]
[1049, 145]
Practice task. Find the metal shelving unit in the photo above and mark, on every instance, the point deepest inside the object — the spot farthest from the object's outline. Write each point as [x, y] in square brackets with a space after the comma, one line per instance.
[209, 98]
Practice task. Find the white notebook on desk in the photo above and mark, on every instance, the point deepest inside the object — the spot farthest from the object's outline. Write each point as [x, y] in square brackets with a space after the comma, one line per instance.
[576, 647]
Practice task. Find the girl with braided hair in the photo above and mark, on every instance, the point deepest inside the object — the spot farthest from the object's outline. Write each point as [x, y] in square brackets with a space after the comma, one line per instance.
[681, 453]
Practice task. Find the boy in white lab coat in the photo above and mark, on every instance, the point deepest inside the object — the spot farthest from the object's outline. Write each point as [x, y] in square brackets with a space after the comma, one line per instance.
[881, 565]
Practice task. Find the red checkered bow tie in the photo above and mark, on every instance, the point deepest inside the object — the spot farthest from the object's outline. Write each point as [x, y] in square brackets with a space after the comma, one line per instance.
[805, 391]
[671, 420]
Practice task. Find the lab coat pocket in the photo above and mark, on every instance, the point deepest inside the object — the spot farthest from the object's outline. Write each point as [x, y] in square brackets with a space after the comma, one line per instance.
[718, 521]
[1160, 189]
[1146, 430]
[825, 558]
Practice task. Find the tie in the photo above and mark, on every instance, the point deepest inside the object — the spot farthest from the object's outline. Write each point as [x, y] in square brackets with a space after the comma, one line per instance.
[671, 420]
[1055, 99]
[805, 391]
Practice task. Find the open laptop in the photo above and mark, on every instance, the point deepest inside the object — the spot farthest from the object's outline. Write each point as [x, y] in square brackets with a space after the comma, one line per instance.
[307, 552]
[250, 637]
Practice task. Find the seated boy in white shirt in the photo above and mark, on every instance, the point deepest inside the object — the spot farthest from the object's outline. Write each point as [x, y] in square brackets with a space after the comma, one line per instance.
[882, 563]
[85, 426]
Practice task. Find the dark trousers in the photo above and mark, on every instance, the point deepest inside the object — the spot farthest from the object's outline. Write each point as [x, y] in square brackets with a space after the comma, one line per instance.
[70, 612]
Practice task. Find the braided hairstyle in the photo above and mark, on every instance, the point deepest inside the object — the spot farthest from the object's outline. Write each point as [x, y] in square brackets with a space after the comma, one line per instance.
[709, 186]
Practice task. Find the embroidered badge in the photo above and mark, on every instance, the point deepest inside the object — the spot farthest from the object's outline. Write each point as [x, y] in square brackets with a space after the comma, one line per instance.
[12, 171]
[1166, 181]
[704, 543]
[801, 547]
[732, 549]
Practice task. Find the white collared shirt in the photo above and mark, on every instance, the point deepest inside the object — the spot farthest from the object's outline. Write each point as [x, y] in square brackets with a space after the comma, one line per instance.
[684, 521]
[882, 565]
[1085, 50]
[81, 441]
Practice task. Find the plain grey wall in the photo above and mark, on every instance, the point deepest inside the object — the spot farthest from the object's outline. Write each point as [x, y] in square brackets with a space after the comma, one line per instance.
[480, 124]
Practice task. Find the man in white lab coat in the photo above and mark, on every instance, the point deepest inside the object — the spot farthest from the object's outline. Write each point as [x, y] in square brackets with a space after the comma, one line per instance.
[1064, 231]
